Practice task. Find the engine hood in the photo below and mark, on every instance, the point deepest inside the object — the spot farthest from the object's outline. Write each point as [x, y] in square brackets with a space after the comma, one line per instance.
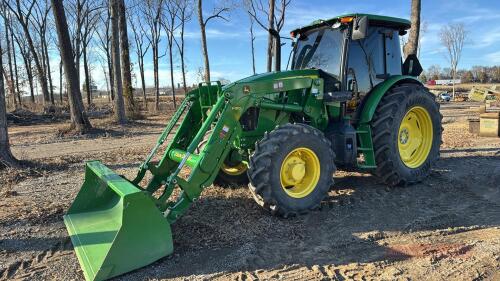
[276, 75]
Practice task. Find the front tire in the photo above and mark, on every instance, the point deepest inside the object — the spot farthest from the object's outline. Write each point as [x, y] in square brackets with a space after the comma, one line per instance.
[232, 173]
[291, 170]
[406, 130]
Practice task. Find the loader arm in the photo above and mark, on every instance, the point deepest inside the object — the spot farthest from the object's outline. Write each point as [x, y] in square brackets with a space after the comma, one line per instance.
[206, 109]
[117, 225]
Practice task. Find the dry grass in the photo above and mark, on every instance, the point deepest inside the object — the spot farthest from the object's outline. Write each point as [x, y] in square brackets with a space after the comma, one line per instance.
[465, 87]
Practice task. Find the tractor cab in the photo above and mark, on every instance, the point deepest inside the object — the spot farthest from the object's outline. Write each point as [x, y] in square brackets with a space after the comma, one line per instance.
[355, 52]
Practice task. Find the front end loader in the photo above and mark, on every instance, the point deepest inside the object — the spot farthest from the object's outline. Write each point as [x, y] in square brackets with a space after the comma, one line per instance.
[347, 102]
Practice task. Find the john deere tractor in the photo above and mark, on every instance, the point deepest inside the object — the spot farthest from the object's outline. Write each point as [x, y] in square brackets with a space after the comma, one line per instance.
[349, 102]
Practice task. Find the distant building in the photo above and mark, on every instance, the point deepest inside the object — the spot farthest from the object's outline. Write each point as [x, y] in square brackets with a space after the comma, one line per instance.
[445, 82]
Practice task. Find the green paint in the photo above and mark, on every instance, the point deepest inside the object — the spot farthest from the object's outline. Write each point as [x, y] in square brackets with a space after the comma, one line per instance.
[107, 225]
[378, 92]
[178, 155]
[118, 225]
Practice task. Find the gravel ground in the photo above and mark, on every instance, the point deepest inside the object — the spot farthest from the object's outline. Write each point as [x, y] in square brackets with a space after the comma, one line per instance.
[445, 228]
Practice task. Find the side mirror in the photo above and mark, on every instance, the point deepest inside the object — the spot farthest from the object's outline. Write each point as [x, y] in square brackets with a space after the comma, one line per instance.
[360, 28]
[412, 66]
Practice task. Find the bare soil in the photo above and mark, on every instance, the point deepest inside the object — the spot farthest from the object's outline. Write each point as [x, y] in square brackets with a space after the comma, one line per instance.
[445, 228]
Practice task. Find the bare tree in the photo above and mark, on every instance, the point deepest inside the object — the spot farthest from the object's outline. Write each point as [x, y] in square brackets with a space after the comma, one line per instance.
[270, 26]
[104, 39]
[184, 16]
[14, 58]
[79, 120]
[87, 30]
[217, 13]
[411, 47]
[434, 72]
[61, 81]
[6, 157]
[40, 23]
[141, 47]
[119, 109]
[27, 59]
[23, 12]
[10, 75]
[83, 15]
[252, 43]
[128, 91]
[153, 15]
[170, 25]
[453, 38]
[276, 20]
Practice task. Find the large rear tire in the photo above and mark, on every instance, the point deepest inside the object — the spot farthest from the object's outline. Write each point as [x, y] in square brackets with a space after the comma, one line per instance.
[406, 130]
[291, 170]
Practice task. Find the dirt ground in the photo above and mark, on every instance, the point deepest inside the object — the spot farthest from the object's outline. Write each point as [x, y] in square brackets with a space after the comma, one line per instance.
[445, 228]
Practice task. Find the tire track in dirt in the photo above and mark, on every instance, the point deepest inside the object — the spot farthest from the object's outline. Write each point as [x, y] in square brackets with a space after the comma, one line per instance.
[26, 268]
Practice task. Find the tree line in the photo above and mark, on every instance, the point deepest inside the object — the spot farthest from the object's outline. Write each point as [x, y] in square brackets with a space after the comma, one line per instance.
[477, 74]
[31, 38]
[35, 29]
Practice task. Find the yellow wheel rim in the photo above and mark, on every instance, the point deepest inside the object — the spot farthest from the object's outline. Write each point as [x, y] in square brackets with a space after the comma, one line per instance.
[237, 170]
[415, 137]
[300, 172]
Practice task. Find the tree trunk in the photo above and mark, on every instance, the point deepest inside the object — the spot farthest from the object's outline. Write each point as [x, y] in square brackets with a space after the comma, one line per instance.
[277, 51]
[61, 82]
[10, 76]
[155, 74]
[6, 157]
[171, 61]
[79, 120]
[270, 39]
[119, 109]
[183, 63]
[78, 39]
[42, 79]
[453, 76]
[128, 91]
[31, 82]
[49, 74]
[18, 92]
[143, 81]
[29, 73]
[203, 41]
[87, 76]
[252, 39]
[111, 78]
[411, 47]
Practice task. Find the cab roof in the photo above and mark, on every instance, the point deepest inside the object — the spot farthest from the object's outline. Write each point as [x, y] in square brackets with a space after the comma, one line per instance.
[378, 20]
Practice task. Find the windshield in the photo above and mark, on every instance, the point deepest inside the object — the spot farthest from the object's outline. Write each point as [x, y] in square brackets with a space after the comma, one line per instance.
[320, 49]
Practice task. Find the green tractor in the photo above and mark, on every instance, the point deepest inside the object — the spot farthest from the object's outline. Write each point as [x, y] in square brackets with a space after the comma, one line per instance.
[348, 101]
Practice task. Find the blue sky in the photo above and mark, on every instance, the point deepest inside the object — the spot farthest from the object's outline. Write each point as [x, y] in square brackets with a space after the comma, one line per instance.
[229, 42]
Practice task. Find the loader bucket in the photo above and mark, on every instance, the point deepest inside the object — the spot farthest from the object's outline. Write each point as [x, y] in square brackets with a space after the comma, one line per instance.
[114, 226]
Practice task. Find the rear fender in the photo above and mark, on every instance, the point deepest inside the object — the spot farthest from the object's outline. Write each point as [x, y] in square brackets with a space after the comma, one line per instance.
[371, 101]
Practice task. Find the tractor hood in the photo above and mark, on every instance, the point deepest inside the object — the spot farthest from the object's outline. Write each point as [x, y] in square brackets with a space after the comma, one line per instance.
[273, 76]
